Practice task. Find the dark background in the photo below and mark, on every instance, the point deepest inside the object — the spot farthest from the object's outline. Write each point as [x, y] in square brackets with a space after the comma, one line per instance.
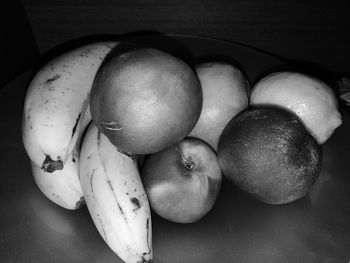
[18, 50]
[315, 32]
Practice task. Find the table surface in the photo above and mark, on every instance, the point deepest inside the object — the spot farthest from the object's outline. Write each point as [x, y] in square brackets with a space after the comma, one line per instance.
[315, 228]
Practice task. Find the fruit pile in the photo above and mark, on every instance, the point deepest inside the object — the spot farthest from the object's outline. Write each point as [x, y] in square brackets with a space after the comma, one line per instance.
[127, 129]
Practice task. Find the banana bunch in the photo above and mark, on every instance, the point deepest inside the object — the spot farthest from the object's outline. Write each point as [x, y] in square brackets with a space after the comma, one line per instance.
[115, 197]
[73, 164]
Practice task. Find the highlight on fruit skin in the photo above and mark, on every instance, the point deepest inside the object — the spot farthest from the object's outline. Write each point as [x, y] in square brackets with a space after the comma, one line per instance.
[267, 152]
[144, 99]
[310, 98]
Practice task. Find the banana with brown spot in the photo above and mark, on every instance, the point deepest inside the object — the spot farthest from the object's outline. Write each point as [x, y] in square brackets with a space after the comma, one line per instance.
[63, 186]
[116, 198]
[55, 101]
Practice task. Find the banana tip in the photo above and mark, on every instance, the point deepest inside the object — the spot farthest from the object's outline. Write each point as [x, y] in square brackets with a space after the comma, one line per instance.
[80, 203]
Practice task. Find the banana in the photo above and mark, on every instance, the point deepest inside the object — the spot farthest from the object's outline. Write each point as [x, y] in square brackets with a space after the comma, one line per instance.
[55, 101]
[63, 186]
[115, 197]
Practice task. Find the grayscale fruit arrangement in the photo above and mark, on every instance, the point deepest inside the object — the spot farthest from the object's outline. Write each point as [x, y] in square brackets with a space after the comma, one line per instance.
[129, 129]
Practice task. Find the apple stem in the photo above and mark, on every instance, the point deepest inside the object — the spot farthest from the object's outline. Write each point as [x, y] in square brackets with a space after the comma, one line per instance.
[189, 164]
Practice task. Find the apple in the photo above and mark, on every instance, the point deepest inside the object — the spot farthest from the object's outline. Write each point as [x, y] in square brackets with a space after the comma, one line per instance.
[182, 181]
[225, 91]
[144, 99]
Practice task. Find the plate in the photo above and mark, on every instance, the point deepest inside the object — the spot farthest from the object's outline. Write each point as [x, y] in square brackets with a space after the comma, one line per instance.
[315, 228]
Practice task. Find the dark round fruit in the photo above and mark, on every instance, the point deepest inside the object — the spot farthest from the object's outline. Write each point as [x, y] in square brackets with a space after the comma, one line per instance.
[267, 152]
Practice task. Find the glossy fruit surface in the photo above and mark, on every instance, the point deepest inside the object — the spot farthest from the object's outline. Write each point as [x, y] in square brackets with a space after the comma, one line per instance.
[225, 93]
[267, 152]
[310, 98]
[183, 181]
[144, 99]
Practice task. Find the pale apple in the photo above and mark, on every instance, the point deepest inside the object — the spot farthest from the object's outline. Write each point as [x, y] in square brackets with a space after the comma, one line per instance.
[225, 93]
[183, 181]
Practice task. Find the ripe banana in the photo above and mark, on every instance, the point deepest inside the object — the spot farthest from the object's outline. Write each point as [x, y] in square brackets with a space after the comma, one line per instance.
[55, 101]
[116, 198]
[63, 186]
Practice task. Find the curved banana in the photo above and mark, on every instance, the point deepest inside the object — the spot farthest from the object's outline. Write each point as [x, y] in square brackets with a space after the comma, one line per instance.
[115, 197]
[55, 101]
[63, 186]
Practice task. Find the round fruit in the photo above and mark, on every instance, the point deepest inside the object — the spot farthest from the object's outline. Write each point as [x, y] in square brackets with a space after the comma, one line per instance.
[310, 98]
[182, 182]
[267, 152]
[224, 95]
[145, 100]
